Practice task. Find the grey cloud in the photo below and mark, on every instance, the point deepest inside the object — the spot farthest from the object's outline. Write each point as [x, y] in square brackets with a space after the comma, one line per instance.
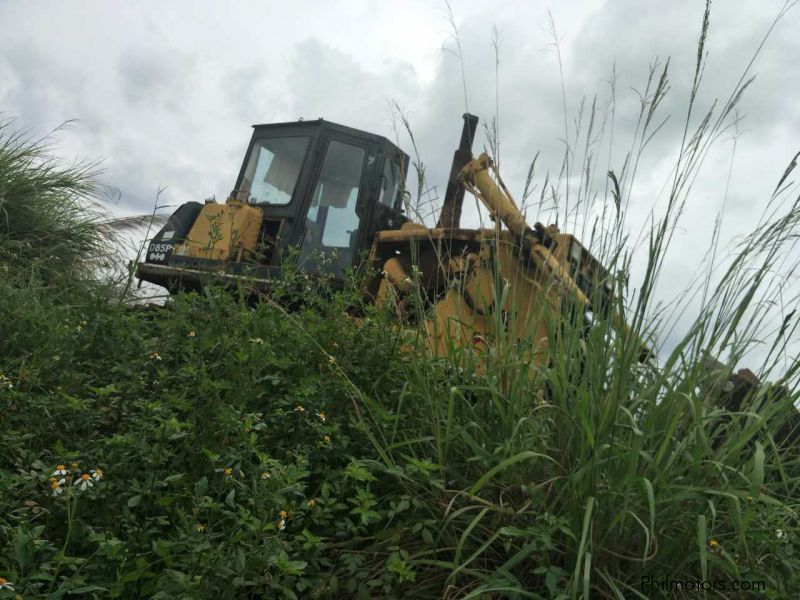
[529, 95]
[153, 78]
[254, 94]
[44, 93]
[326, 82]
[651, 31]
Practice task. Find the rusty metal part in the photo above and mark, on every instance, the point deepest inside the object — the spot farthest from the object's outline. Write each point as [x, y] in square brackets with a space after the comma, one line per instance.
[178, 277]
[742, 391]
[450, 216]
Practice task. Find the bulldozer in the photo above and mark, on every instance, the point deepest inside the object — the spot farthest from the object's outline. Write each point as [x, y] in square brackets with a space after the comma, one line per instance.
[335, 196]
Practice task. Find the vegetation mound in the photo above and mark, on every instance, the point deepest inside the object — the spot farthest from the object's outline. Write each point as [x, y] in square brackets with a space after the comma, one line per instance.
[215, 449]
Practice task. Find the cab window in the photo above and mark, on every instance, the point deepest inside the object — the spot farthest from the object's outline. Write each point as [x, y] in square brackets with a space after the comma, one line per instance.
[332, 221]
[390, 184]
[273, 170]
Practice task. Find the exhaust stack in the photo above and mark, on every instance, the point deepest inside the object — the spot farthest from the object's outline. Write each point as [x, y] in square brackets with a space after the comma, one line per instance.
[450, 217]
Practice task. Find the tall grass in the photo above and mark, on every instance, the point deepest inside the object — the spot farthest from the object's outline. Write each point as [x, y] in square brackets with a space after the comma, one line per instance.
[56, 234]
[594, 473]
[50, 229]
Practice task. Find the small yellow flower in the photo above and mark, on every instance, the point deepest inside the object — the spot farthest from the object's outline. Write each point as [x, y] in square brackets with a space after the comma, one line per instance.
[327, 439]
[299, 409]
[265, 475]
[312, 503]
[227, 472]
[283, 514]
[155, 356]
[323, 417]
[713, 544]
[75, 465]
[191, 334]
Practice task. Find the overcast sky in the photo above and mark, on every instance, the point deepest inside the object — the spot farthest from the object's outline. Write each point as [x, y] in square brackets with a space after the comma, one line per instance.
[164, 93]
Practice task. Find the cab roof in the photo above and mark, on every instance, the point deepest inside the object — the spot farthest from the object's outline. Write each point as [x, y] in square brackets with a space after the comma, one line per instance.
[329, 125]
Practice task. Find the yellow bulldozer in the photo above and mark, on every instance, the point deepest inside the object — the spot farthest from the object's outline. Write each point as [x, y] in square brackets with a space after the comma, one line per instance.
[335, 197]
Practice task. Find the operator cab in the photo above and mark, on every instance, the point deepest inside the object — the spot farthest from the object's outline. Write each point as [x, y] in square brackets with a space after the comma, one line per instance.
[322, 188]
[316, 188]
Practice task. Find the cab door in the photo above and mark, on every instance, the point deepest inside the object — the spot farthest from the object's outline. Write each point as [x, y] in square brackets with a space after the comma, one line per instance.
[338, 208]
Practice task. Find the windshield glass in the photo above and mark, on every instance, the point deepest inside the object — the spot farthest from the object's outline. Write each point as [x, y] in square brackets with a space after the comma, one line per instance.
[273, 170]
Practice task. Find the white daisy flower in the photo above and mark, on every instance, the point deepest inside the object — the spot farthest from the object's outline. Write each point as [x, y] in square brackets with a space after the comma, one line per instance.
[60, 471]
[5, 584]
[57, 485]
[84, 481]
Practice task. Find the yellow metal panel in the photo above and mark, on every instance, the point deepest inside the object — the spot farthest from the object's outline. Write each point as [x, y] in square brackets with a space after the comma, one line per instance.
[226, 232]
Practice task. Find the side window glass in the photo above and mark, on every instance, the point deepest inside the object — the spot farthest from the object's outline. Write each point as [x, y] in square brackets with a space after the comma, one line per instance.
[332, 222]
[390, 184]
